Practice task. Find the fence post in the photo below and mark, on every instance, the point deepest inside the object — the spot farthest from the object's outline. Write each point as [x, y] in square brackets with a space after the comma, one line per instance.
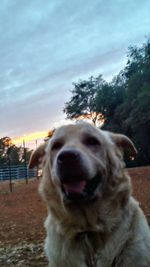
[10, 178]
[25, 162]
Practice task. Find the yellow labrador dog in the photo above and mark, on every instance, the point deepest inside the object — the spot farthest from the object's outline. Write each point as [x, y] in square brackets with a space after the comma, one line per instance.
[93, 221]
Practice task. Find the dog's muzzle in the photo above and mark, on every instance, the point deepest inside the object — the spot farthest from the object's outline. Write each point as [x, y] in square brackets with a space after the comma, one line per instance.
[73, 173]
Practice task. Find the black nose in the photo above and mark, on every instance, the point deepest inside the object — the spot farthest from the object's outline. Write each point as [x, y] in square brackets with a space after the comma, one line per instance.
[68, 156]
[70, 165]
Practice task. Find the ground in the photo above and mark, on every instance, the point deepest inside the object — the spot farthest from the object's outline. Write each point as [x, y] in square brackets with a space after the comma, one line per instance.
[23, 212]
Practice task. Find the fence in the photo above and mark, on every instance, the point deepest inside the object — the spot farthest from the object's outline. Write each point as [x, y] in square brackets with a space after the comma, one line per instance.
[16, 172]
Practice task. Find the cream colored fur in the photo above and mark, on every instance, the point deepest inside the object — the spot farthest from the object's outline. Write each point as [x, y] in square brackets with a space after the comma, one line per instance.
[112, 230]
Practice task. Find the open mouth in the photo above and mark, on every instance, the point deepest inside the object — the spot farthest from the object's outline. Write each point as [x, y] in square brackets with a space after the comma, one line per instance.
[82, 190]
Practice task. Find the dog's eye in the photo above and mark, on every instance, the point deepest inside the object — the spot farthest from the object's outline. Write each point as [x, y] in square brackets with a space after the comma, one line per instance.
[57, 145]
[91, 141]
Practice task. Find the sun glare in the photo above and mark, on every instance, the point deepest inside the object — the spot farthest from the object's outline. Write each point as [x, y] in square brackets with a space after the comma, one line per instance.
[30, 140]
[30, 137]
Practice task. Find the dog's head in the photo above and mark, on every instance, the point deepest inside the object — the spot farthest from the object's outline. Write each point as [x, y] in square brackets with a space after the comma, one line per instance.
[83, 163]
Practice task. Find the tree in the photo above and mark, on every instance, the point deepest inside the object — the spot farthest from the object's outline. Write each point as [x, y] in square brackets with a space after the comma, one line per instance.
[133, 115]
[12, 153]
[109, 96]
[82, 103]
[5, 144]
[124, 103]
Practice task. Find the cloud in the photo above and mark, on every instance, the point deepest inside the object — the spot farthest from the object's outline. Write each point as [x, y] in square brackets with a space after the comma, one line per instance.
[45, 46]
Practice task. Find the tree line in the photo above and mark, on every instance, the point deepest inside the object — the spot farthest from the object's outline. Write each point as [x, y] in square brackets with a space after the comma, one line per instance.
[11, 154]
[122, 105]
[14, 155]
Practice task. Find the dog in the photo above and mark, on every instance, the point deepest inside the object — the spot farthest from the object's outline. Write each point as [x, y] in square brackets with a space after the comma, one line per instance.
[93, 221]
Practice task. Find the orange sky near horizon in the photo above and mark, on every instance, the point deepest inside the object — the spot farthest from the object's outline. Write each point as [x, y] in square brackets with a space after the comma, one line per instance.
[30, 140]
[29, 137]
[39, 135]
[33, 138]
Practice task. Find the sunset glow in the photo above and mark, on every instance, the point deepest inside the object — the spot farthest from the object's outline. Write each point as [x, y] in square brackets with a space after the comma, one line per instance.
[99, 118]
[27, 138]
[30, 137]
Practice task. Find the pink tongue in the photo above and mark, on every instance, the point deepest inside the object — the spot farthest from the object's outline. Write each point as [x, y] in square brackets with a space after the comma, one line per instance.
[75, 187]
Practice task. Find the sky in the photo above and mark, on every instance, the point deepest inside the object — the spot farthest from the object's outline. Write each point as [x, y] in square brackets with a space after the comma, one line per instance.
[45, 46]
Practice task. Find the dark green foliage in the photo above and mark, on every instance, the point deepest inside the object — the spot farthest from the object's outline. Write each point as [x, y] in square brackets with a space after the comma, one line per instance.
[11, 153]
[125, 102]
[83, 101]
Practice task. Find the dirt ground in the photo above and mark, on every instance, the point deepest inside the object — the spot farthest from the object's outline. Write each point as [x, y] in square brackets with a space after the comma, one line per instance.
[23, 212]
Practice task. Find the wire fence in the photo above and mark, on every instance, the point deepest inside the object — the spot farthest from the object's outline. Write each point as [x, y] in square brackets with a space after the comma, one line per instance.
[8, 170]
[16, 172]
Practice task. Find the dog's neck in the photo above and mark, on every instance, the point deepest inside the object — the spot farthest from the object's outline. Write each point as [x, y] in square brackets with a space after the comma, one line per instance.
[89, 221]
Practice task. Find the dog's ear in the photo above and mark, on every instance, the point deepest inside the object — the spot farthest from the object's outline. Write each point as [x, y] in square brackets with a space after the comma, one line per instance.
[37, 156]
[123, 142]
